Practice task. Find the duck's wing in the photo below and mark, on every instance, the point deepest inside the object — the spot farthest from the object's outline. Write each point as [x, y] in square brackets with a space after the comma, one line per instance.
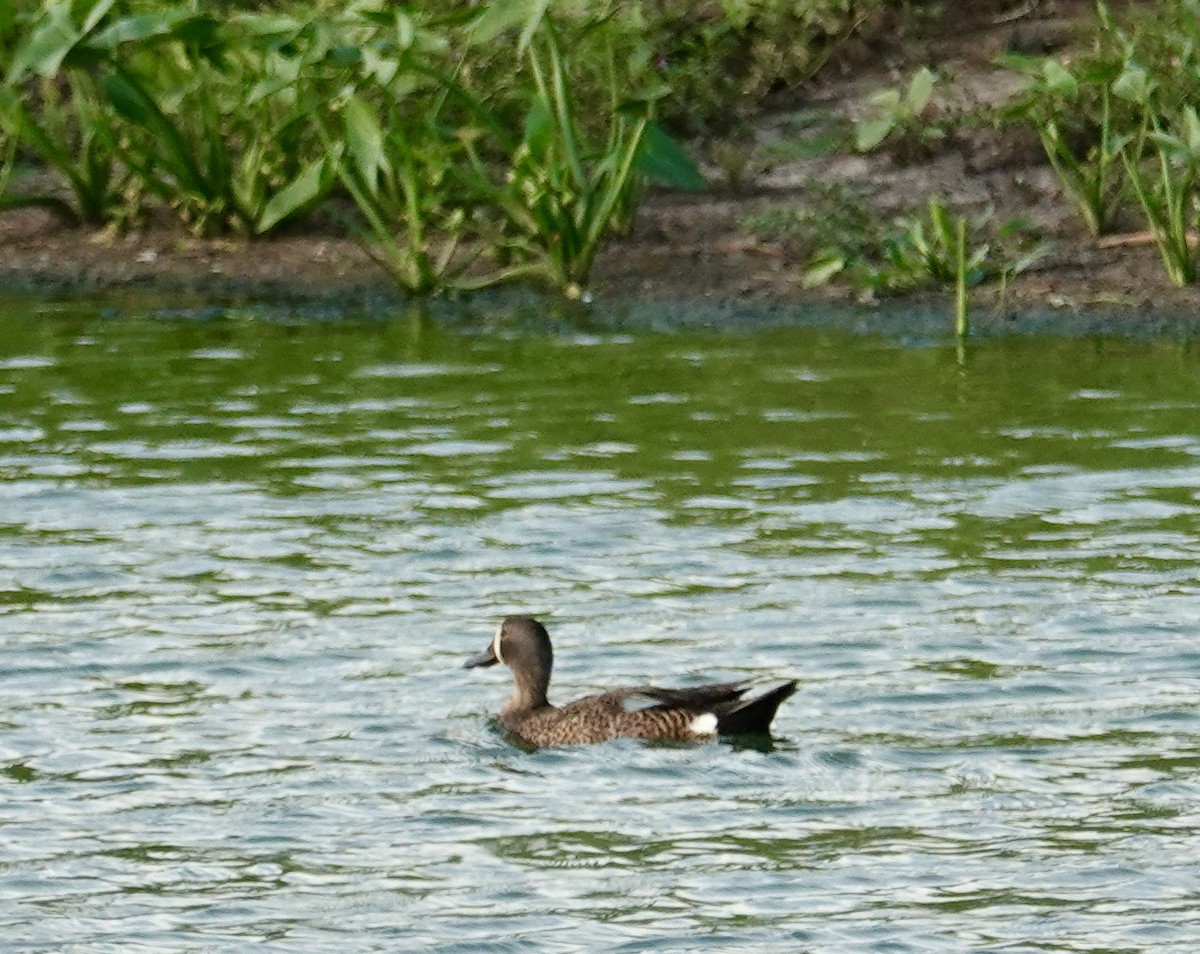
[708, 698]
[735, 715]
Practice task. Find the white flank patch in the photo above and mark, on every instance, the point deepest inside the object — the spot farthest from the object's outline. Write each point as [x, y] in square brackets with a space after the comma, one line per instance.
[704, 725]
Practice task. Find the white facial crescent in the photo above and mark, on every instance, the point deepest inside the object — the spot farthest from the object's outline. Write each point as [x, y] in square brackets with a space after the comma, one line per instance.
[496, 645]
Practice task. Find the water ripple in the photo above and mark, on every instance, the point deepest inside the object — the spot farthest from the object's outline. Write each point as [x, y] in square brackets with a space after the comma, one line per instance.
[238, 579]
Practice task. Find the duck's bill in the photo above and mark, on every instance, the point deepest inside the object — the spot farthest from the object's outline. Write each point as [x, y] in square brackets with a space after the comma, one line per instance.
[485, 658]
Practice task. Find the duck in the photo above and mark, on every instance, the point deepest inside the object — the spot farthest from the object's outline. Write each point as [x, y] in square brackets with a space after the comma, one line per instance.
[640, 712]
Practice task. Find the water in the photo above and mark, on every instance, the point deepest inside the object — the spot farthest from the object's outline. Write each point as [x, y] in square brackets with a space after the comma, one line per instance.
[242, 562]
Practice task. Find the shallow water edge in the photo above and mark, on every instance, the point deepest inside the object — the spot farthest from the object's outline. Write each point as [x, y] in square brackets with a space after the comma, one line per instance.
[916, 318]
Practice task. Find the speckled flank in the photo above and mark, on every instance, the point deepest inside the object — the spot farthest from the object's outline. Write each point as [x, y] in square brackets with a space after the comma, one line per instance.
[601, 718]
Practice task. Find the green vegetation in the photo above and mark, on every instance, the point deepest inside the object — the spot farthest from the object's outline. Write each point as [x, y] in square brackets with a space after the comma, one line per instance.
[8, 160]
[900, 119]
[563, 194]
[242, 122]
[214, 117]
[473, 143]
[721, 58]
[238, 121]
[842, 239]
[65, 125]
[1168, 195]
[396, 165]
[1119, 120]
[1091, 178]
[835, 227]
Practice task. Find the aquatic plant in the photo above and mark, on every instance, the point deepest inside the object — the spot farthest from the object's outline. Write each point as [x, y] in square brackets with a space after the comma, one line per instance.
[1091, 112]
[566, 188]
[8, 161]
[900, 116]
[1088, 174]
[398, 173]
[562, 194]
[216, 116]
[210, 118]
[950, 251]
[50, 104]
[936, 248]
[240, 123]
[1169, 189]
[722, 61]
[1084, 112]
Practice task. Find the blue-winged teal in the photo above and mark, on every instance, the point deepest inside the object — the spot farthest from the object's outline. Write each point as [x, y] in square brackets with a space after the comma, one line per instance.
[642, 712]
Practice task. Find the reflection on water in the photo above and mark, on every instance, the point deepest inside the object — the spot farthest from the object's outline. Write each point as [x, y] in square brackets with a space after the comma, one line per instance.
[241, 563]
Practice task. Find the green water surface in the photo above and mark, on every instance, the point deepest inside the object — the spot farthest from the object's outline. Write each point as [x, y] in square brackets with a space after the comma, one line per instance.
[242, 560]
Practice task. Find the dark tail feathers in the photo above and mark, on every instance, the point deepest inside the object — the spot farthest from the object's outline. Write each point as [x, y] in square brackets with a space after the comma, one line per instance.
[752, 716]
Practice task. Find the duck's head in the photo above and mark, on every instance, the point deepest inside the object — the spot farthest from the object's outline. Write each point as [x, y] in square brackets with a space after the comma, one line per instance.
[522, 644]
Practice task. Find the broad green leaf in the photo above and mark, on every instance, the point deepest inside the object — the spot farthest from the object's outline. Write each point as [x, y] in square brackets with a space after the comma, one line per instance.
[95, 14]
[405, 31]
[1058, 79]
[871, 133]
[141, 27]
[502, 15]
[539, 128]
[498, 16]
[278, 74]
[661, 159]
[822, 270]
[1022, 63]
[886, 100]
[920, 89]
[430, 41]
[532, 23]
[364, 140]
[1170, 146]
[1191, 128]
[266, 24]
[1133, 84]
[379, 67]
[130, 99]
[295, 196]
[53, 38]
[48, 43]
